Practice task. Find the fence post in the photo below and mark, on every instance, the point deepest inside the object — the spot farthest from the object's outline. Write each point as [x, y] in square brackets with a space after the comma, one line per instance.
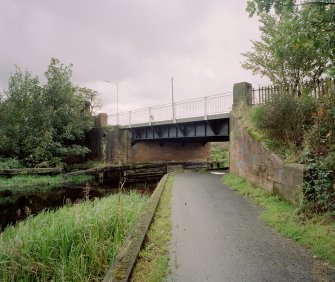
[129, 119]
[205, 109]
[242, 91]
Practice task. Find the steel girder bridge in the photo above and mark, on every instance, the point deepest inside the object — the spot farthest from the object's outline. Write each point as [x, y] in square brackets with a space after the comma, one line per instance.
[198, 120]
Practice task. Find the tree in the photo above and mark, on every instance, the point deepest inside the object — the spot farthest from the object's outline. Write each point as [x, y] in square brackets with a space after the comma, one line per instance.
[42, 124]
[279, 6]
[295, 46]
[91, 97]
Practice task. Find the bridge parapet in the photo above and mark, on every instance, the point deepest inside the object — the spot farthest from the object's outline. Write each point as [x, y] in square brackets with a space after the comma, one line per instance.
[205, 108]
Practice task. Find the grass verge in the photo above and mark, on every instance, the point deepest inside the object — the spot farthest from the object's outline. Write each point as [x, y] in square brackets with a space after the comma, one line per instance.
[153, 262]
[74, 243]
[31, 183]
[316, 232]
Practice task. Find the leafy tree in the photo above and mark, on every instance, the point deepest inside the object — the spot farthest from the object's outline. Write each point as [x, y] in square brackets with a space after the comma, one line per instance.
[42, 124]
[91, 97]
[295, 46]
[279, 6]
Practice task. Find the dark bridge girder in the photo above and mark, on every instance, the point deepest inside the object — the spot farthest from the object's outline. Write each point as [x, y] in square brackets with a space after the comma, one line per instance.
[196, 131]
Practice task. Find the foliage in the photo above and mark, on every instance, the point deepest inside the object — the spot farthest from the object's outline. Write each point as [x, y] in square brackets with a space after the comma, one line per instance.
[41, 123]
[280, 6]
[284, 118]
[319, 156]
[315, 232]
[304, 125]
[10, 163]
[153, 262]
[74, 243]
[220, 154]
[32, 183]
[295, 46]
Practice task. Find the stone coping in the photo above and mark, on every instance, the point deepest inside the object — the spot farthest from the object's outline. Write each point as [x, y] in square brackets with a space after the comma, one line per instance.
[125, 261]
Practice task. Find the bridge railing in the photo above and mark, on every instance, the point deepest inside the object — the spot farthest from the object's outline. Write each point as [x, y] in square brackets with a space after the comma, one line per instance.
[193, 108]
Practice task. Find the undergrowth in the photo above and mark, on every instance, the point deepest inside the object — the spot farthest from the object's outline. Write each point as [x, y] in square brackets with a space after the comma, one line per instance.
[73, 243]
[300, 129]
[220, 153]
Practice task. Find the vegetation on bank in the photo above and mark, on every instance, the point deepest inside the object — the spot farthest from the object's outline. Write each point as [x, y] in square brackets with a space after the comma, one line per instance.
[153, 262]
[300, 129]
[220, 153]
[315, 232]
[296, 51]
[73, 243]
[42, 125]
[33, 183]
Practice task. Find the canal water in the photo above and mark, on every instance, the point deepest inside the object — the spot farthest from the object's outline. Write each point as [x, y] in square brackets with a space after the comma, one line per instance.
[15, 207]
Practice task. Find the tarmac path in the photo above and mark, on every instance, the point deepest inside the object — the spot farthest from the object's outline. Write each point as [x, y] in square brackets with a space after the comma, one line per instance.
[217, 236]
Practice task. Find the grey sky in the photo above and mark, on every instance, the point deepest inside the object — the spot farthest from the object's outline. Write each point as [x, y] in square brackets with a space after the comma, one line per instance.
[138, 43]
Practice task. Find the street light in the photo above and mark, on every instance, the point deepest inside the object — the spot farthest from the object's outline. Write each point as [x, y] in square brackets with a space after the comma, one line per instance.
[117, 99]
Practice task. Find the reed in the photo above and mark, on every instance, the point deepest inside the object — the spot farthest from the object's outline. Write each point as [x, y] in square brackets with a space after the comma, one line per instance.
[73, 243]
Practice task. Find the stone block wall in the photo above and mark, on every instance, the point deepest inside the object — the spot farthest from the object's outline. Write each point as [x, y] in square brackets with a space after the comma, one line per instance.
[252, 160]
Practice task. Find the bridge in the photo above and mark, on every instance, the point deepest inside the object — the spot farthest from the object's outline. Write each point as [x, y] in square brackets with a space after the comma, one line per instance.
[197, 120]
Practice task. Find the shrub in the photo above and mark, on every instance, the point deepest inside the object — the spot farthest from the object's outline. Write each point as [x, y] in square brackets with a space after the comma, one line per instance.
[10, 163]
[284, 118]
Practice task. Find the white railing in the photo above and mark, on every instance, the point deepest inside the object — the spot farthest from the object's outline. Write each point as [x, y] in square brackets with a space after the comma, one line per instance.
[199, 107]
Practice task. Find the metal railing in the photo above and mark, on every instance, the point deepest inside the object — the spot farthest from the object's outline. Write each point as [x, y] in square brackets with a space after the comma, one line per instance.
[199, 107]
[315, 89]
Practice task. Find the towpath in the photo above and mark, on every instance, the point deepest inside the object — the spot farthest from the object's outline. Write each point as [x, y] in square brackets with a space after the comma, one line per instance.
[217, 236]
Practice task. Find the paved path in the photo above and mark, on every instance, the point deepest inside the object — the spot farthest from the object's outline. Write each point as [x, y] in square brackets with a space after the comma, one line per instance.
[217, 236]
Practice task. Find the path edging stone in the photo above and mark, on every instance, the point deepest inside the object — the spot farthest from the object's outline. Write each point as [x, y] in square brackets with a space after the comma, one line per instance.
[125, 261]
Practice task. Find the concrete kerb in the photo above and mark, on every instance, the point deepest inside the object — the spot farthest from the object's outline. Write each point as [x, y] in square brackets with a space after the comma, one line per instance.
[124, 263]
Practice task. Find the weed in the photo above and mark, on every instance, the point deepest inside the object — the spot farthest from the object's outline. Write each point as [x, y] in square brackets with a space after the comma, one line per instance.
[153, 262]
[73, 243]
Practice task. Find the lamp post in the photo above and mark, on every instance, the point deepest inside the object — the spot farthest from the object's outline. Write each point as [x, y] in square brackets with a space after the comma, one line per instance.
[117, 99]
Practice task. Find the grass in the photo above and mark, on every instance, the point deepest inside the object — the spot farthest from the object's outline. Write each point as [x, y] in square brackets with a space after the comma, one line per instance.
[153, 262]
[315, 232]
[32, 183]
[74, 243]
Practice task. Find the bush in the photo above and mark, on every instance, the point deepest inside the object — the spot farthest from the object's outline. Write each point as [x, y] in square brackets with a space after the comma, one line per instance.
[10, 163]
[220, 154]
[284, 118]
[308, 126]
[319, 157]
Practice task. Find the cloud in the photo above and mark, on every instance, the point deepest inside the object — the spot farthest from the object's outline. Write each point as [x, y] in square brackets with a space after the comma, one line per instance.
[140, 44]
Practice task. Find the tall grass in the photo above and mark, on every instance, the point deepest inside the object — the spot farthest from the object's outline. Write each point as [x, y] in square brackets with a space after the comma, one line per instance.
[31, 183]
[74, 243]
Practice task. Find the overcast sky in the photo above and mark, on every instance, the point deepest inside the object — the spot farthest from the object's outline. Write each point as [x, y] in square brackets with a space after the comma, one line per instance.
[140, 44]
